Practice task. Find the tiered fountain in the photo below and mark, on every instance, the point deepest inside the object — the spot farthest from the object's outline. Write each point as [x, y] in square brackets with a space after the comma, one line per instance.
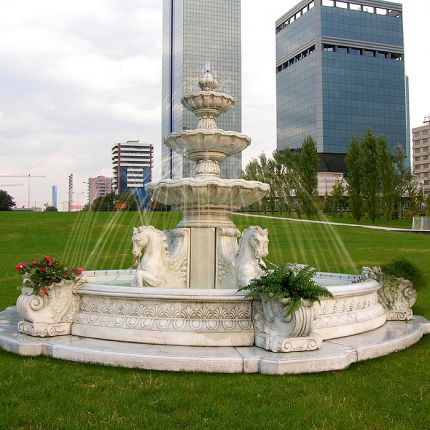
[185, 289]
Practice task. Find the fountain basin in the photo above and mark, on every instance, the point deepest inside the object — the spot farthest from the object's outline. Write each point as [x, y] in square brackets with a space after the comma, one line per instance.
[164, 317]
[209, 317]
[207, 202]
[208, 101]
[198, 144]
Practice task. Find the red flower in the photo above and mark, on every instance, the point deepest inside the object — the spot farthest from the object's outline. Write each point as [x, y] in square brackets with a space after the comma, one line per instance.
[79, 271]
[43, 291]
[48, 258]
[24, 264]
[19, 266]
[50, 263]
[43, 269]
[35, 263]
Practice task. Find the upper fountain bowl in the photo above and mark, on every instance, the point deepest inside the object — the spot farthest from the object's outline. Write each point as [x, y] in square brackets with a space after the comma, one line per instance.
[204, 144]
[208, 103]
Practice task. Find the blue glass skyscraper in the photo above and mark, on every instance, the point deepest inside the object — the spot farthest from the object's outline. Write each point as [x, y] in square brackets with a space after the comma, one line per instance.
[196, 32]
[340, 71]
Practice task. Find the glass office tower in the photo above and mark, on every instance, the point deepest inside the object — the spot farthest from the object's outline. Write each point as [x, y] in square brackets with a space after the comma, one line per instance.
[197, 32]
[340, 70]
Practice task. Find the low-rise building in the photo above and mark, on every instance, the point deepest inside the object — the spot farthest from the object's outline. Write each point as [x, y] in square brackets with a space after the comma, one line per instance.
[421, 156]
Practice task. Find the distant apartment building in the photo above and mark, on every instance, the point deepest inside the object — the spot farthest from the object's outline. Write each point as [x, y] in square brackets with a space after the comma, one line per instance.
[132, 168]
[421, 156]
[197, 32]
[98, 187]
[340, 71]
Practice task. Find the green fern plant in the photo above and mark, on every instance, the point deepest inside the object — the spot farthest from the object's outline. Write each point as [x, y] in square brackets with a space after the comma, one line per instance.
[283, 283]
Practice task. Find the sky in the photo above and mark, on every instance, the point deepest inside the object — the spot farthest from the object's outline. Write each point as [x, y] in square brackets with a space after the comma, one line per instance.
[77, 76]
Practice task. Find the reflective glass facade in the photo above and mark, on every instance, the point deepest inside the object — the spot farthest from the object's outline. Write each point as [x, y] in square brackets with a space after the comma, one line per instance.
[196, 32]
[354, 80]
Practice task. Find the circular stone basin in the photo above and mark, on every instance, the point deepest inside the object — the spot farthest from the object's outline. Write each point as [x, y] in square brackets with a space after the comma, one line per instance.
[109, 310]
[204, 144]
[208, 192]
[208, 100]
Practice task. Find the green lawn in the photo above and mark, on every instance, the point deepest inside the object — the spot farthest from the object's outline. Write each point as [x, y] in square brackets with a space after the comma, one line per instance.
[39, 393]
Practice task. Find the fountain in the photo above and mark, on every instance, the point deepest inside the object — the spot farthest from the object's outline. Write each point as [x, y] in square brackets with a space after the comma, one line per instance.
[183, 299]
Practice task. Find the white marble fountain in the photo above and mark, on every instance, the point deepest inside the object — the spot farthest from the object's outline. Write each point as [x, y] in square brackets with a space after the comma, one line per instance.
[181, 309]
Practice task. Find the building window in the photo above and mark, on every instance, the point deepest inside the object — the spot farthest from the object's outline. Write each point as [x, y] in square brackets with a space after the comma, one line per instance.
[394, 13]
[369, 9]
[342, 4]
[296, 16]
[295, 59]
[355, 51]
[342, 49]
[380, 11]
[354, 6]
[329, 3]
[369, 53]
[329, 48]
[381, 54]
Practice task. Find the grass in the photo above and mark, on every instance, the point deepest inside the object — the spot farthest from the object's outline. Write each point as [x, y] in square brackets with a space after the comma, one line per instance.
[39, 393]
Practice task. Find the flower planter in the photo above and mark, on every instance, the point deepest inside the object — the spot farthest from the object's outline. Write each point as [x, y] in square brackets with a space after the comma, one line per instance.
[51, 314]
[278, 333]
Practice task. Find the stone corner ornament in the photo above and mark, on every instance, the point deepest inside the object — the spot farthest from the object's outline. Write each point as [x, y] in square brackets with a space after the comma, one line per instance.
[49, 315]
[278, 333]
[396, 295]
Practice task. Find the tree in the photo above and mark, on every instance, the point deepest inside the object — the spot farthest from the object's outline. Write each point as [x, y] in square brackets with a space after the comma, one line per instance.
[49, 208]
[402, 180]
[370, 177]
[386, 172]
[129, 200]
[104, 204]
[352, 161]
[6, 201]
[286, 180]
[337, 198]
[427, 205]
[307, 164]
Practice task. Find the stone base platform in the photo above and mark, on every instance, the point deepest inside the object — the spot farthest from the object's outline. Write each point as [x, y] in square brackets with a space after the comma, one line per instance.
[334, 354]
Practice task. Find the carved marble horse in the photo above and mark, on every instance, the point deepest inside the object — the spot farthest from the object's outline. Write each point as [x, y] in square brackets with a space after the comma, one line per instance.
[164, 261]
[253, 247]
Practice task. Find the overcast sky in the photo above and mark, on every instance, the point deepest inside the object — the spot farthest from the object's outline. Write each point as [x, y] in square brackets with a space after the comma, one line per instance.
[78, 76]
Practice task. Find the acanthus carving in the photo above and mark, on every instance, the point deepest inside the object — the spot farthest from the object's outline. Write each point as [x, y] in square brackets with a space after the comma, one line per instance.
[164, 316]
[346, 311]
[397, 295]
[208, 167]
[276, 332]
[49, 315]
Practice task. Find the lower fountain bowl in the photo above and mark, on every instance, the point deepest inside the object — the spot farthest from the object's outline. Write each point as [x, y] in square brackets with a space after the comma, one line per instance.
[111, 310]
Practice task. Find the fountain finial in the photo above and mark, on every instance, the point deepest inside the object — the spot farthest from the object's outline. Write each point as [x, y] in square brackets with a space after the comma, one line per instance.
[208, 82]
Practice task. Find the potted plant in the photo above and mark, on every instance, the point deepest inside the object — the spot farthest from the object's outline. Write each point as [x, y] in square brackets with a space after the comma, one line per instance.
[284, 316]
[48, 302]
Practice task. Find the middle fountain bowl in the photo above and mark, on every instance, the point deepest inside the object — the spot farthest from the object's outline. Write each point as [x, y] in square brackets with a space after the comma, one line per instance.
[202, 144]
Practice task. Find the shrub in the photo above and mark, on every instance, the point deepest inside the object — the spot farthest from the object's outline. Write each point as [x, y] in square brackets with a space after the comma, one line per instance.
[406, 270]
